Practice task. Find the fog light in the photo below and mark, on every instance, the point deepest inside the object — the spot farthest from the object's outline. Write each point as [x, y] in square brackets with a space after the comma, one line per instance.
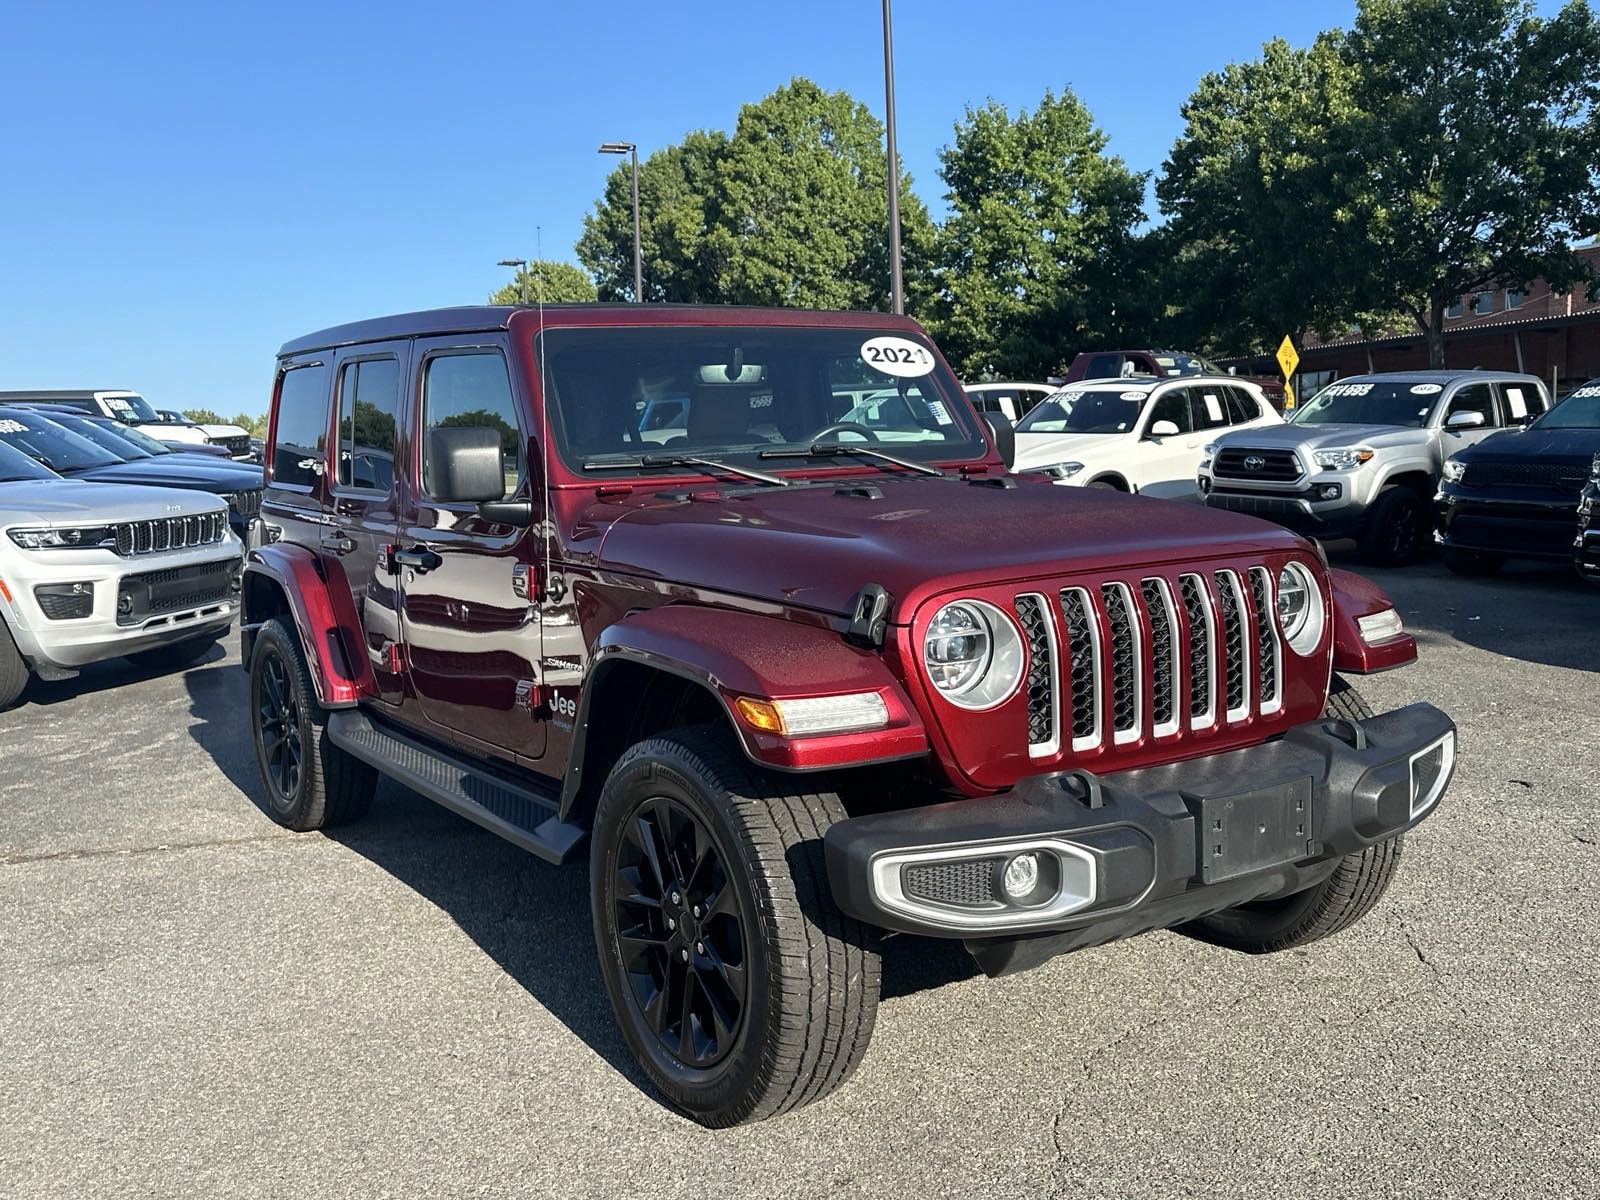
[1205, 485]
[1329, 491]
[1021, 876]
[124, 604]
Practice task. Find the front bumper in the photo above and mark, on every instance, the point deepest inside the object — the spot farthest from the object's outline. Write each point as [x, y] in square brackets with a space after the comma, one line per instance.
[1512, 522]
[1586, 548]
[1147, 848]
[1297, 509]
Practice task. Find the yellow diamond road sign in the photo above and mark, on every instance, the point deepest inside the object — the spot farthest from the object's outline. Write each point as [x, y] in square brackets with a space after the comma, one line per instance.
[1288, 360]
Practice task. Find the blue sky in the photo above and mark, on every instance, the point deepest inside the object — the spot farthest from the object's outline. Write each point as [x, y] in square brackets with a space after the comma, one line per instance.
[188, 185]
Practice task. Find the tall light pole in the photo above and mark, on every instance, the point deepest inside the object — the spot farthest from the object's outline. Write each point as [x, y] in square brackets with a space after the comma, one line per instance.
[638, 264]
[518, 263]
[897, 295]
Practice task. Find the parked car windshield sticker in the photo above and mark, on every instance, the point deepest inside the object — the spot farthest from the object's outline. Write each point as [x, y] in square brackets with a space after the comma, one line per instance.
[897, 356]
[1519, 406]
[118, 403]
[1133, 396]
[1214, 408]
[936, 407]
[1584, 392]
[1427, 389]
[10, 426]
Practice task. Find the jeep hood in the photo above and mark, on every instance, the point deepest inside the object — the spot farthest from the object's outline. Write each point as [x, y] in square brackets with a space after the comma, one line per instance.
[50, 503]
[1326, 437]
[815, 546]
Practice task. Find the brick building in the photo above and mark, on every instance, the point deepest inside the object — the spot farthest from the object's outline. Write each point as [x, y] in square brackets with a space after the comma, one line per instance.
[1553, 335]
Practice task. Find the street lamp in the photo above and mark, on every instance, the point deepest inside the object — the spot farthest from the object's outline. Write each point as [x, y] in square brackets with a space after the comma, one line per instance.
[638, 265]
[518, 263]
[897, 298]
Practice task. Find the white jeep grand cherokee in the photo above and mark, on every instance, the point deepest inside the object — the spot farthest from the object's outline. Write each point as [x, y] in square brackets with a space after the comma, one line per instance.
[90, 571]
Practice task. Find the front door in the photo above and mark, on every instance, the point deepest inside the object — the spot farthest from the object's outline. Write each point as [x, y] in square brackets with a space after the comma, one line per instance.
[1470, 398]
[1168, 463]
[469, 586]
[365, 498]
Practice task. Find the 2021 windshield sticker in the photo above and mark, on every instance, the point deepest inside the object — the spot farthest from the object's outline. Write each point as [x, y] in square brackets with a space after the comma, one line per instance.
[897, 356]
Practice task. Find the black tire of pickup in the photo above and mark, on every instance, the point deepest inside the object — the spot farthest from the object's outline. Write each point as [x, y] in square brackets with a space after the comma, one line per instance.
[177, 654]
[310, 783]
[1335, 904]
[1471, 564]
[808, 996]
[1395, 528]
[13, 670]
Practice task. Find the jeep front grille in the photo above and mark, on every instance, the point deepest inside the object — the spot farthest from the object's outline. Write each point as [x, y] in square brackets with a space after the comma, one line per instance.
[170, 533]
[1133, 657]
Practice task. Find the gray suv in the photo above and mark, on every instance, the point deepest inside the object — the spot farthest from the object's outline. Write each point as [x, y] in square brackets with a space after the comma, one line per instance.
[1362, 458]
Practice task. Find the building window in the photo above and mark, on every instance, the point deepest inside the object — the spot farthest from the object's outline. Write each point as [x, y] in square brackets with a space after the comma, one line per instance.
[1453, 311]
[1513, 300]
[1483, 304]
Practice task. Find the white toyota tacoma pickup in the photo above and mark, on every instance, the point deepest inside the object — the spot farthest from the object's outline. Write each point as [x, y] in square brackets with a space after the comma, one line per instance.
[90, 571]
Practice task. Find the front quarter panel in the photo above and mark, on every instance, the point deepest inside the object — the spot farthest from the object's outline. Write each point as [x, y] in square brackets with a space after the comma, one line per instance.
[1355, 596]
[324, 614]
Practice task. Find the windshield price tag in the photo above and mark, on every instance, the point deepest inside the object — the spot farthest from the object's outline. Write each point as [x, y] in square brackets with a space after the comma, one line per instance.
[118, 403]
[1347, 389]
[9, 426]
[897, 356]
[1584, 393]
[1427, 389]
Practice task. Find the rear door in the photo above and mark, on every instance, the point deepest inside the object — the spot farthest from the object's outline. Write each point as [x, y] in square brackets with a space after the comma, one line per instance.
[470, 621]
[365, 498]
[1519, 402]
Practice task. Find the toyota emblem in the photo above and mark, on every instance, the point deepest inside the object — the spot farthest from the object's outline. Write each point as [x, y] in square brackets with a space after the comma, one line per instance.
[1254, 462]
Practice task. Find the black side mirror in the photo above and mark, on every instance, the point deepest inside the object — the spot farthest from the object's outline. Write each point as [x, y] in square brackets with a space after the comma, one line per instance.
[1005, 438]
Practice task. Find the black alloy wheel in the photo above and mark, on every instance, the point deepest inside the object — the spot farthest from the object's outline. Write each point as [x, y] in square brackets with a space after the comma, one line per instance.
[279, 741]
[681, 935]
[1405, 530]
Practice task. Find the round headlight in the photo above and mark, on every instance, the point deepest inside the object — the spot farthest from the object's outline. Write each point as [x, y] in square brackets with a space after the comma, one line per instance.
[973, 654]
[1300, 614]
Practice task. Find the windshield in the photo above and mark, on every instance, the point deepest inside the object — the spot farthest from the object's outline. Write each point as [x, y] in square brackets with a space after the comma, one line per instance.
[136, 438]
[15, 466]
[1403, 402]
[46, 442]
[106, 439]
[131, 409]
[1092, 410]
[1580, 410]
[730, 393]
[1186, 364]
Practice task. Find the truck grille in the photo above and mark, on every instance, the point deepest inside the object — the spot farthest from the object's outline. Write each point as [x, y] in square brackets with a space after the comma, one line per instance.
[1131, 656]
[1566, 478]
[1268, 466]
[170, 533]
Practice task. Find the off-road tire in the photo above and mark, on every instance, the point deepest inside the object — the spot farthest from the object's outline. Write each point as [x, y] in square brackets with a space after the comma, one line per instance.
[13, 670]
[1471, 564]
[1335, 904]
[812, 973]
[330, 787]
[177, 654]
[1395, 529]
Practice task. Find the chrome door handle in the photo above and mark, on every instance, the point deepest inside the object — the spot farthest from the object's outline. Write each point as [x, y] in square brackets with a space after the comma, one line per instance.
[338, 541]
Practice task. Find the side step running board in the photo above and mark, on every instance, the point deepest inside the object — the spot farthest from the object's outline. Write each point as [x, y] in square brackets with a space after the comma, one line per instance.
[523, 816]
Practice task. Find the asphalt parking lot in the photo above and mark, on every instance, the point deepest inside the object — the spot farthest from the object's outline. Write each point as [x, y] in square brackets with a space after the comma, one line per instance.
[194, 1002]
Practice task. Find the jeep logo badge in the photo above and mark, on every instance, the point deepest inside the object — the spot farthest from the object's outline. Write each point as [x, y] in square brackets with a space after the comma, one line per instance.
[1254, 462]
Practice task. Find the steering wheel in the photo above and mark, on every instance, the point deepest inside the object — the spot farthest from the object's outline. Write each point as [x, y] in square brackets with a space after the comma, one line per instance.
[843, 427]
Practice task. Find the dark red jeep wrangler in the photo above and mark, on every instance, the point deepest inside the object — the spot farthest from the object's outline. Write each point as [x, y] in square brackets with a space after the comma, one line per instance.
[749, 600]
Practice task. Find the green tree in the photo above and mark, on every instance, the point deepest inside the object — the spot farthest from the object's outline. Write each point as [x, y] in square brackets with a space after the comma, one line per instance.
[548, 280]
[1472, 156]
[1035, 253]
[203, 416]
[1259, 240]
[788, 210]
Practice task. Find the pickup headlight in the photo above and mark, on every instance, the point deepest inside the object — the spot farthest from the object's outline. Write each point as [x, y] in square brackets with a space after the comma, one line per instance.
[1300, 612]
[1064, 470]
[88, 537]
[973, 654]
[1454, 469]
[1341, 458]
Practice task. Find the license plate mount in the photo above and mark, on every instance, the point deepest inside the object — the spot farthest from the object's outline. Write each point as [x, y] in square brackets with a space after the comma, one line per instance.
[1252, 831]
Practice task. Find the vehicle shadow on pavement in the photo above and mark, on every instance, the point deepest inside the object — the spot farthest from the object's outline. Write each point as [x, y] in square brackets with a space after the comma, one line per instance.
[107, 676]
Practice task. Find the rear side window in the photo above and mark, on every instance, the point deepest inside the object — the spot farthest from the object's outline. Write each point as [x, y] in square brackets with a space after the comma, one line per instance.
[1242, 405]
[1209, 406]
[471, 390]
[1520, 401]
[300, 439]
[369, 397]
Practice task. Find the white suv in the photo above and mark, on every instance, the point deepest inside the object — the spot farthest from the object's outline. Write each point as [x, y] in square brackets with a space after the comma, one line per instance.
[90, 571]
[1140, 434]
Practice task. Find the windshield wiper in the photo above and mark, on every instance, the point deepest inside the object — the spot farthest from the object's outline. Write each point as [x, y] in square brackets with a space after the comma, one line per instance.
[686, 460]
[852, 450]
